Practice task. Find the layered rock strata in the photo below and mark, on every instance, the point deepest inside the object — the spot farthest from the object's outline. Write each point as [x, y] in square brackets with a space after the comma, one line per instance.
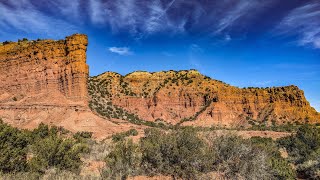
[45, 67]
[188, 97]
[45, 81]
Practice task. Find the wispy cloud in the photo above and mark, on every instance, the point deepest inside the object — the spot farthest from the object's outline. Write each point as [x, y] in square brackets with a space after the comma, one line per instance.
[69, 9]
[139, 18]
[121, 50]
[303, 22]
[234, 14]
[142, 18]
[23, 16]
[219, 18]
[98, 14]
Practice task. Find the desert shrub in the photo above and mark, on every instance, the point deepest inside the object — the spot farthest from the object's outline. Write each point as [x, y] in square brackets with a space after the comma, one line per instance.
[239, 159]
[123, 160]
[288, 127]
[184, 153]
[82, 136]
[304, 144]
[13, 149]
[44, 131]
[304, 149]
[179, 153]
[310, 169]
[121, 136]
[6, 42]
[20, 176]
[280, 167]
[38, 150]
[55, 151]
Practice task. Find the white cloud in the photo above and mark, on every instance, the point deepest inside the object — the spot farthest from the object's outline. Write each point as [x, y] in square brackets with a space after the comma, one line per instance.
[96, 11]
[304, 22]
[227, 37]
[240, 9]
[236, 14]
[143, 18]
[121, 50]
[139, 18]
[159, 20]
[24, 17]
[70, 9]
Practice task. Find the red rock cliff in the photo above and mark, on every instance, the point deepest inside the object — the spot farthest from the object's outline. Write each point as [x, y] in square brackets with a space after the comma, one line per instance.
[190, 98]
[45, 67]
[45, 81]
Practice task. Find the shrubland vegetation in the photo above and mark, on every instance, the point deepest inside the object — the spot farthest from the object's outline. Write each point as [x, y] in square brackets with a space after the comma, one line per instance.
[288, 127]
[121, 136]
[188, 155]
[36, 151]
[304, 151]
[183, 153]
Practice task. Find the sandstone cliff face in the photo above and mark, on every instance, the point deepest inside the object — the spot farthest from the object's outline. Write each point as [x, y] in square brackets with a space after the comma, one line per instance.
[45, 67]
[46, 81]
[190, 98]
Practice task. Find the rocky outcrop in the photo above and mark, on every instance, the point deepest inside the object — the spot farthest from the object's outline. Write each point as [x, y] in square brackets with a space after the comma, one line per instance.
[45, 81]
[45, 67]
[187, 97]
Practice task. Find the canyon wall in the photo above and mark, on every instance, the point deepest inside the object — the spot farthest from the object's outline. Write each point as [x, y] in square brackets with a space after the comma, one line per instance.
[45, 81]
[190, 98]
[46, 67]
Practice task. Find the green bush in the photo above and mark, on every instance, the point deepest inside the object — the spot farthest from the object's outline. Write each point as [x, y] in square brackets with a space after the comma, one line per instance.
[304, 150]
[57, 152]
[180, 153]
[304, 144]
[82, 136]
[48, 149]
[121, 136]
[280, 167]
[13, 149]
[310, 169]
[239, 159]
[123, 160]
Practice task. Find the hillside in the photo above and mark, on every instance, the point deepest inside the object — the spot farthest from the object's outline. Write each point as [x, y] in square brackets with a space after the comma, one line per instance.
[68, 125]
[47, 81]
[190, 98]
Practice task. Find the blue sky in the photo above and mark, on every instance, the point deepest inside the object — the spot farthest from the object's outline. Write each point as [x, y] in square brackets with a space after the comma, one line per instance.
[243, 43]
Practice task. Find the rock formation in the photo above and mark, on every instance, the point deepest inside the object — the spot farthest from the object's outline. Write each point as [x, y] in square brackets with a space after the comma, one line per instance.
[45, 67]
[46, 81]
[187, 97]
